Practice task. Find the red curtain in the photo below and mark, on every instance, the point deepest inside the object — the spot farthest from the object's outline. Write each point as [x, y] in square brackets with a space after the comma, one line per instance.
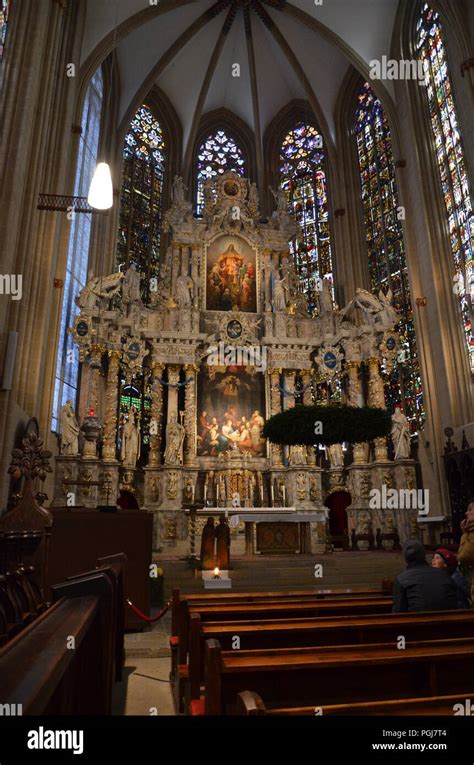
[337, 504]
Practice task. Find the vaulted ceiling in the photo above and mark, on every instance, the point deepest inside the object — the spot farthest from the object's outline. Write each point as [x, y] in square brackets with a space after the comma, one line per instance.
[285, 51]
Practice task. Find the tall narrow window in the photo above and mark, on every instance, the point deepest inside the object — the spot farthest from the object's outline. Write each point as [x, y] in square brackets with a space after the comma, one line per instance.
[451, 163]
[144, 160]
[303, 177]
[4, 8]
[218, 154]
[67, 367]
[385, 244]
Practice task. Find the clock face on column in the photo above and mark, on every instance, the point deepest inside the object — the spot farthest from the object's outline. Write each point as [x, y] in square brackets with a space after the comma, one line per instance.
[234, 329]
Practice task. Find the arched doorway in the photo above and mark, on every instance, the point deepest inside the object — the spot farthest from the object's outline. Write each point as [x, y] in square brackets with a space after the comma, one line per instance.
[338, 525]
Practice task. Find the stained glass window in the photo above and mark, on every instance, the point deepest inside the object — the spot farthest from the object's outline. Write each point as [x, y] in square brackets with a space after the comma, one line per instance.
[385, 245]
[217, 155]
[67, 365]
[451, 163]
[4, 8]
[144, 162]
[303, 177]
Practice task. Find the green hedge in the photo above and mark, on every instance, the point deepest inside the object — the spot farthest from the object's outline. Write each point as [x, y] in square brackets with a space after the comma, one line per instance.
[340, 423]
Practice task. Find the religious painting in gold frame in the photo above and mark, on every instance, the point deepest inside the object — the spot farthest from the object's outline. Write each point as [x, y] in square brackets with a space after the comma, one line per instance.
[231, 275]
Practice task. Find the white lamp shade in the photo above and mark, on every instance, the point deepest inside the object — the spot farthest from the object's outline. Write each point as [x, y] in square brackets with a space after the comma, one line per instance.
[101, 191]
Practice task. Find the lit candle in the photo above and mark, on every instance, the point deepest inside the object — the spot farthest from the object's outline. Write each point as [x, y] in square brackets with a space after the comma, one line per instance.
[216, 573]
[205, 492]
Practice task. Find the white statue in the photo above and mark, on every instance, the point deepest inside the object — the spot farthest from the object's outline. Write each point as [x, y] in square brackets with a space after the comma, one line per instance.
[253, 197]
[178, 191]
[130, 450]
[98, 289]
[280, 199]
[69, 431]
[184, 291]
[400, 435]
[279, 293]
[174, 443]
[336, 455]
[131, 285]
[387, 315]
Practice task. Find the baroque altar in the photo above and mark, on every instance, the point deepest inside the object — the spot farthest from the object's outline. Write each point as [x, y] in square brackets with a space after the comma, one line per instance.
[180, 371]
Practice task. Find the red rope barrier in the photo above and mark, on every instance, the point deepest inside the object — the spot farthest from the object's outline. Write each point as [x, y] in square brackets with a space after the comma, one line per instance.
[144, 616]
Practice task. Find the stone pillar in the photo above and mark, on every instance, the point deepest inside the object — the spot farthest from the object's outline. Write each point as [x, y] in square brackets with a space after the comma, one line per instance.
[377, 399]
[190, 415]
[97, 351]
[355, 394]
[195, 258]
[175, 266]
[266, 288]
[173, 379]
[275, 407]
[156, 414]
[307, 401]
[111, 401]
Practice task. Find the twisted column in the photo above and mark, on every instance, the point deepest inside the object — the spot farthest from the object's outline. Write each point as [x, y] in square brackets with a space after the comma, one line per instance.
[275, 407]
[377, 399]
[190, 415]
[111, 402]
[156, 415]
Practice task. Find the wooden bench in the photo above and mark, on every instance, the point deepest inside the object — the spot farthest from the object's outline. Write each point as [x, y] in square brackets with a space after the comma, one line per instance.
[250, 704]
[296, 677]
[256, 611]
[321, 631]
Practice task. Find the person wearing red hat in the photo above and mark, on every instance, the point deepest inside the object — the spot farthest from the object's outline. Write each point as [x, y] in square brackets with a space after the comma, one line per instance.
[444, 558]
[466, 545]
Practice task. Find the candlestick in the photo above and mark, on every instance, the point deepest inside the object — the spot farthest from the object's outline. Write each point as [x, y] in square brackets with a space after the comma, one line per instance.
[192, 493]
[283, 492]
[272, 494]
[217, 495]
[205, 492]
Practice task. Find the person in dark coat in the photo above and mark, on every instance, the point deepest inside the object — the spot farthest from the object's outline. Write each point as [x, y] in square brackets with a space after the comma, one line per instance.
[208, 541]
[223, 544]
[421, 587]
[446, 559]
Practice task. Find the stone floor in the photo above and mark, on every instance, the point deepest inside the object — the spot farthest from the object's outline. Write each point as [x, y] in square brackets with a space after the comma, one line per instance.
[144, 689]
[152, 642]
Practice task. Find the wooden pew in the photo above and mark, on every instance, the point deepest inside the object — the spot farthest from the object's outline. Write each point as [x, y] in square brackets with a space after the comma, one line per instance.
[250, 704]
[40, 672]
[297, 677]
[275, 609]
[321, 631]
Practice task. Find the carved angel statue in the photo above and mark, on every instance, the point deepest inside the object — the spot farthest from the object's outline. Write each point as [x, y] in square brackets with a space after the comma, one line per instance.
[130, 451]
[298, 455]
[400, 435]
[99, 289]
[281, 199]
[69, 431]
[388, 314]
[253, 198]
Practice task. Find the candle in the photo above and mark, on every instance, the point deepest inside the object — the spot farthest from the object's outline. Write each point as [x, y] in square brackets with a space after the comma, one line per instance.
[217, 494]
[261, 494]
[272, 493]
[283, 492]
[192, 493]
[205, 492]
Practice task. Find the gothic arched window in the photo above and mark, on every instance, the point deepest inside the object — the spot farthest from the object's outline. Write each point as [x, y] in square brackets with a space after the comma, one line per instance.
[144, 160]
[303, 177]
[67, 366]
[385, 243]
[451, 163]
[218, 154]
[4, 8]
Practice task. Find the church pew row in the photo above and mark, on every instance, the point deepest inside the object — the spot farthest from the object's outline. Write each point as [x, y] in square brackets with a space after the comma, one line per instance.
[250, 704]
[221, 598]
[21, 600]
[66, 661]
[275, 609]
[320, 631]
[299, 677]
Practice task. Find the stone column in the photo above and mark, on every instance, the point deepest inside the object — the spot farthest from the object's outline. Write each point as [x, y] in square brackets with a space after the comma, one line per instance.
[195, 258]
[275, 407]
[175, 266]
[307, 401]
[111, 401]
[190, 415]
[156, 414]
[173, 379]
[266, 290]
[97, 351]
[377, 399]
[354, 381]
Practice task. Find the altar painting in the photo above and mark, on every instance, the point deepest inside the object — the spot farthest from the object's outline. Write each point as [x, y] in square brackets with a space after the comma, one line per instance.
[231, 275]
[230, 412]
